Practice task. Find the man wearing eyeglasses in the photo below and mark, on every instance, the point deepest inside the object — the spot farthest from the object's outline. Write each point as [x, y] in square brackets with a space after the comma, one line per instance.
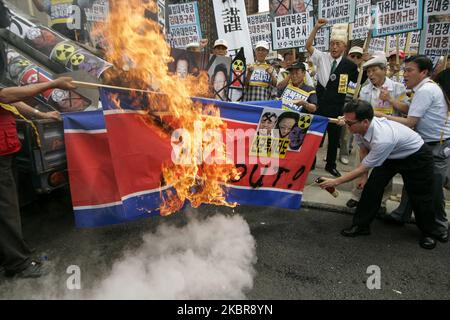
[388, 148]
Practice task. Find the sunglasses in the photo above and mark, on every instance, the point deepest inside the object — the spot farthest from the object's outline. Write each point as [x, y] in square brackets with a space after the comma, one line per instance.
[356, 56]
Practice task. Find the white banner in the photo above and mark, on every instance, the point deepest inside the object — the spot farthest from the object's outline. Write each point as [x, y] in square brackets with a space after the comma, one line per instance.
[393, 17]
[260, 27]
[322, 40]
[335, 11]
[184, 24]
[435, 35]
[361, 24]
[377, 45]
[413, 45]
[291, 31]
[232, 26]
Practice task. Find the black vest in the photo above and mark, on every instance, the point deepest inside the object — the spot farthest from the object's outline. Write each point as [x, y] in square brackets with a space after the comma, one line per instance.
[330, 101]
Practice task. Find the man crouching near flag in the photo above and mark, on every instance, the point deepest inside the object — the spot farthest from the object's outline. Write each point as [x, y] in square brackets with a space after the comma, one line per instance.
[15, 256]
[388, 148]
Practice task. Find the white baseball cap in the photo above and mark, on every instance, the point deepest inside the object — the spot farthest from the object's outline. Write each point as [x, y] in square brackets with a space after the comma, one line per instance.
[221, 42]
[262, 44]
[193, 45]
[356, 49]
[376, 61]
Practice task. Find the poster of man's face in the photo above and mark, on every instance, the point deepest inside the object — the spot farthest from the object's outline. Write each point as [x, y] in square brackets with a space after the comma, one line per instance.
[218, 72]
[280, 7]
[187, 62]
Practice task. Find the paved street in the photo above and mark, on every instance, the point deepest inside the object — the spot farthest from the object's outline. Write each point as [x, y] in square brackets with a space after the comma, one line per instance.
[300, 255]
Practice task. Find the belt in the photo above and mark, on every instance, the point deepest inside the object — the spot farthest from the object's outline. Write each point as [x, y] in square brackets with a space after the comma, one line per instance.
[433, 143]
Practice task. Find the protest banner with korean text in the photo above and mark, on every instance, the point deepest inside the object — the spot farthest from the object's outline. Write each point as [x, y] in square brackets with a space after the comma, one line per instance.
[435, 36]
[361, 24]
[232, 26]
[292, 31]
[322, 40]
[335, 11]
[184, 24]
[259, 26]
[394, 17]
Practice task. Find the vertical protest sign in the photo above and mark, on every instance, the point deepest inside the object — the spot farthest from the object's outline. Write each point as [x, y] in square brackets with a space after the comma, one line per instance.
[259, 26]
[394, 17]
[361, 23]
[184, 24]
[292, 31]
[435, 36]
[335, 11]
[322, 40]
[232, 26]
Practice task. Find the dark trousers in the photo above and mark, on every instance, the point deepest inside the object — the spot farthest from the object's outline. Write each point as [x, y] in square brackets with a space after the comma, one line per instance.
[14, 253]
[417, 174]
[441, 163]
[334, 134]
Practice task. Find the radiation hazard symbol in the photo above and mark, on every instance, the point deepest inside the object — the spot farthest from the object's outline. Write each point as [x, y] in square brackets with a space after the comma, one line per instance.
[64, 51]
[24, 63]
[304, 122]
[77, 59]
[238, 65]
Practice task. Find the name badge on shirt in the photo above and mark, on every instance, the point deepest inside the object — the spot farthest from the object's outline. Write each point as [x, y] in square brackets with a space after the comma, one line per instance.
[343, 80]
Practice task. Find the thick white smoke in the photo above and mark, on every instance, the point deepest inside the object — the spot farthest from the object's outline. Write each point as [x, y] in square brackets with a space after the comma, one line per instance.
[211, 258]
[207, 259]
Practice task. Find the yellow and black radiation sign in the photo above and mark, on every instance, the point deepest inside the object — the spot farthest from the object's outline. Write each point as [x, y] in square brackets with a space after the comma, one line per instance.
[304, 122]
[64, 51]
[77, 59]
[24, 63]
[238, 65]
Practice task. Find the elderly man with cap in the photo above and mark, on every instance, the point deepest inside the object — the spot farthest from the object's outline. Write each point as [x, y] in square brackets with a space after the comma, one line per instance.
[385, 96]
[293, 88]
[261, 77]
[396, 69]
[334, 73]
[220, 48]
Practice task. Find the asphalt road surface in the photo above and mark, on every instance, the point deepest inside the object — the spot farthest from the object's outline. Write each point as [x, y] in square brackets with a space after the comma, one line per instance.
[300, 254]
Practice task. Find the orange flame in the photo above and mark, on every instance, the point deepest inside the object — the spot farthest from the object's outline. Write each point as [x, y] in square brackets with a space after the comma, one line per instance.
[140, 54]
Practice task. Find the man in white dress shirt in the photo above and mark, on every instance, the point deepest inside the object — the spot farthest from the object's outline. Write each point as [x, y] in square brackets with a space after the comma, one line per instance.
[428, 114]
[388, 148]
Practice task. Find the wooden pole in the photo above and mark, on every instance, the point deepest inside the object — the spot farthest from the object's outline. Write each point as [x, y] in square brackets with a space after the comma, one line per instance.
[408, 44]
[361, 70]
[30, 8]
[397, 57]
[98, 85]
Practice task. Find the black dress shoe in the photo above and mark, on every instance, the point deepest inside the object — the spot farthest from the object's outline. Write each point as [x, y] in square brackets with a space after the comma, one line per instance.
[355, 231]
[427, 243]
[333, 171]
[443, 237]
[351, 203]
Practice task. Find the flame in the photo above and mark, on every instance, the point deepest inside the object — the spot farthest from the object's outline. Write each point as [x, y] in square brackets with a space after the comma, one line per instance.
[140, 54]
